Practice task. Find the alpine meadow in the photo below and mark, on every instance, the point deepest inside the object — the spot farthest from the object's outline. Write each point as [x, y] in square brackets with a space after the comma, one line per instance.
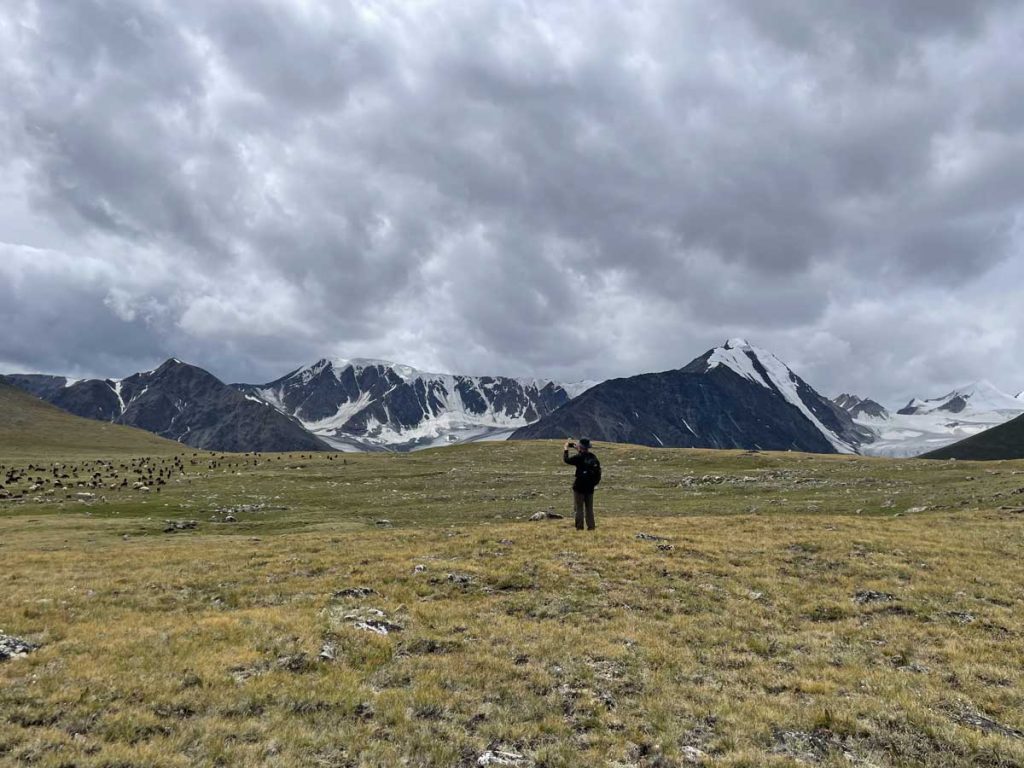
[733, 608]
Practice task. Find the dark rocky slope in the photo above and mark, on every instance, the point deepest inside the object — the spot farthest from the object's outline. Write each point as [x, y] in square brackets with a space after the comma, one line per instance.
[180, 402]
[734, 396]
[1005, 441]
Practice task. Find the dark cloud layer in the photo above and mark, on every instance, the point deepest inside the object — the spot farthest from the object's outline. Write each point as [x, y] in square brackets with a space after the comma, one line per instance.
[555, 188]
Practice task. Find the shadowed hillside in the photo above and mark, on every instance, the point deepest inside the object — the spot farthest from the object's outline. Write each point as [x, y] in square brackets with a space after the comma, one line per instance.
[1003, 442]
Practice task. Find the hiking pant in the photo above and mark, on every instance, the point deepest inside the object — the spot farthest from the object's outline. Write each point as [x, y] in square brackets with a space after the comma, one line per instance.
[584, 502]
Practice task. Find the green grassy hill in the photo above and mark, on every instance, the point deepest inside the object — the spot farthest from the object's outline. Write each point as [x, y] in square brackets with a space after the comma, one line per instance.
[1003, 442]
[732, 609]
[31, 428]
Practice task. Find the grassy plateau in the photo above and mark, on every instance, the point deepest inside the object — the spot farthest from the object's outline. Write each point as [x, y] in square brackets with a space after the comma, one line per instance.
[732, 609]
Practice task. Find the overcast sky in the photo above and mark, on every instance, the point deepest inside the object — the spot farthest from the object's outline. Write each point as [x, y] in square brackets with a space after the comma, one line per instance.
[565, 189]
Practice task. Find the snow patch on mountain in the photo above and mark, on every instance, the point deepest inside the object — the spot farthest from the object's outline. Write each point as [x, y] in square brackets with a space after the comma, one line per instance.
[741, 357]
[927, 424]
[577, 388]
[374, 404]
[979, 397]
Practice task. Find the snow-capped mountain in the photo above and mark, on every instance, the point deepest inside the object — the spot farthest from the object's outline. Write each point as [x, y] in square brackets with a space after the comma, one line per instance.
[979, 397]
[860, 406]
[733, 396]
[927, 424]
[180, 402]
[365, 404]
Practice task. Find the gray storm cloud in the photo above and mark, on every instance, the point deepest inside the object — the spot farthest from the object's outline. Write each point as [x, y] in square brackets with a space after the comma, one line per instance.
[556, 188]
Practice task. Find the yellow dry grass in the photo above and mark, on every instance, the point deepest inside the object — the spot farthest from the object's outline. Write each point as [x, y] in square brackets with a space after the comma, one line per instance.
[769, 624]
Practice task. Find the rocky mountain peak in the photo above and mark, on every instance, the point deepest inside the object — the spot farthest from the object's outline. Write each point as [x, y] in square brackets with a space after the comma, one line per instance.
[737, 343]
[373, 404]
[979, 397]
[859, 407]
[732, 396]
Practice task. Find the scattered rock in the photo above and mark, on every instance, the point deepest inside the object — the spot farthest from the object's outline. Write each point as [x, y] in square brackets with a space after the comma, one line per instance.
[245, 508]
[377, 626]
[986, 723]
[382, 523]
[546, 516]
[328, 652]
[693, 756]
[230, 519]
[650, 537]
[372, 620]
[15, 647]
[865, 596]
[180, 525]
[241, 674]
[297, 662]
[462, 579]
[665, 547]
[354, 592]
[501, 757]
[419, 569]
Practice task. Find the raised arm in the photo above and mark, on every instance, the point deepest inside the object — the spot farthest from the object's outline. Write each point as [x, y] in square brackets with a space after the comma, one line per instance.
[565, 454]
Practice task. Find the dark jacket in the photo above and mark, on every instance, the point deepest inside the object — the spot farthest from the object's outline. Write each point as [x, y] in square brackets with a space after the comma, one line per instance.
[588, 471]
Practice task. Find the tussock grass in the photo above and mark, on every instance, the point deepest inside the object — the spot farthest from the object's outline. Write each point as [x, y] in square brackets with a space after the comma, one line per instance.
[786, 610]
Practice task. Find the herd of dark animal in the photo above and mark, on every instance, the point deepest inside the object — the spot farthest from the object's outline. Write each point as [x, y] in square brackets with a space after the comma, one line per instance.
[81, 480]
[141, 474]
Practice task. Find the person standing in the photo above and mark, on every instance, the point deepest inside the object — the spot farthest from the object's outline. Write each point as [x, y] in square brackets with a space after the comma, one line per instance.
[588, 475]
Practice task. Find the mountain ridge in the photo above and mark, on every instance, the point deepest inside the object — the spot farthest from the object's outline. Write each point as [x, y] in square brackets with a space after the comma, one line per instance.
[929, 424]
[732, 396]
[180, 402]
[371, 404]
[860, 406]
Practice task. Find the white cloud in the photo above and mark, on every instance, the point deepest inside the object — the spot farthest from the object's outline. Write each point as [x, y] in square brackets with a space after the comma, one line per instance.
[493, 187]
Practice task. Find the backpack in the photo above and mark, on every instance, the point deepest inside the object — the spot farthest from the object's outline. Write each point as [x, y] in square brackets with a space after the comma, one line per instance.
[590, 470]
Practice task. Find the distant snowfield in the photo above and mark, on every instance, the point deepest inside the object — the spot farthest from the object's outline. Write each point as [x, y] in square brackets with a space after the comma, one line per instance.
[941, 421]
[906, 436]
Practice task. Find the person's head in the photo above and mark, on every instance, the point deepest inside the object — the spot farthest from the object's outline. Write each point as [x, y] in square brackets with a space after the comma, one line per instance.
[584, 444]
